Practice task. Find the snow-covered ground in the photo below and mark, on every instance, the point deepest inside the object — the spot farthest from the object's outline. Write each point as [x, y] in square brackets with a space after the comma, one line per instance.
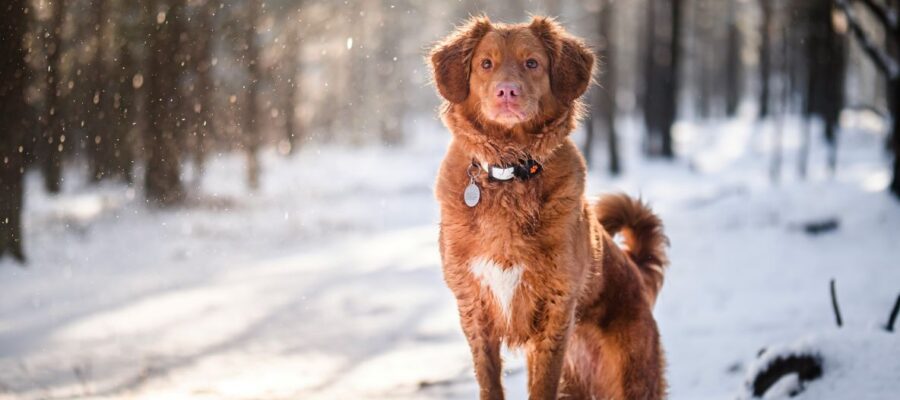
[326, 283]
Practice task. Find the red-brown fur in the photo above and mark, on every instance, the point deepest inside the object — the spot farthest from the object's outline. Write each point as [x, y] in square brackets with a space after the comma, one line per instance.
[583, 307]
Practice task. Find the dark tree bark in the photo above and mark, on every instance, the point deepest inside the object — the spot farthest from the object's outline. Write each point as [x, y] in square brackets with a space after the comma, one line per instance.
[293, 130]
[707, 62]
[661, 97]
[163, 184]
[201, 110]
[13, 70]
[648, 99]
[733, 68]
[124, 100]
[99, 138]
[590, 132]
[826, 60]
[670, 81]
[112, 145]
[894, 103]
[51, 146]
[593, 112]
[252, 137]
[765, 57]
[124, 95]
[605, 94]
[109, 155]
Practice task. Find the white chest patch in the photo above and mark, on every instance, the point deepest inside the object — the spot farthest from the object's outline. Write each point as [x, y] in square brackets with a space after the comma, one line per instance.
[501, 282]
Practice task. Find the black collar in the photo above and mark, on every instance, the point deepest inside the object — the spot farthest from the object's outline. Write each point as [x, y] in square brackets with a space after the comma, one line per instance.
[524, 170]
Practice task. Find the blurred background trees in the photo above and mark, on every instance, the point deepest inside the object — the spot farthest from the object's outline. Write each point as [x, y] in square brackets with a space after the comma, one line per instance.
[13, 125]
[143, 93]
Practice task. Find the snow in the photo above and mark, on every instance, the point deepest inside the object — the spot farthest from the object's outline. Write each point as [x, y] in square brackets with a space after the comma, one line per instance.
[327, 284]
[857, 363]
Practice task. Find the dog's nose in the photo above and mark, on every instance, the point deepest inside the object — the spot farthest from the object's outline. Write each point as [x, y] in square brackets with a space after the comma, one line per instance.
[508, 90]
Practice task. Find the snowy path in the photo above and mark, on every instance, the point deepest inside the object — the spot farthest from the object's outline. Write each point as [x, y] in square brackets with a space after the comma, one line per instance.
[324, 288]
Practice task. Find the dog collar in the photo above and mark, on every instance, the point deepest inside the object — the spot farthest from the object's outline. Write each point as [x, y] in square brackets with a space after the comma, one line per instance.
[525, 170]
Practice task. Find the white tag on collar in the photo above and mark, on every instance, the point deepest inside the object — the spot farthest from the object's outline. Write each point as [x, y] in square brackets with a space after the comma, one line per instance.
[502, 174]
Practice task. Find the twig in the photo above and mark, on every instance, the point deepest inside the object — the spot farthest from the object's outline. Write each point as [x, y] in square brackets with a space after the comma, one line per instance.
[834, 304]
[893, 317]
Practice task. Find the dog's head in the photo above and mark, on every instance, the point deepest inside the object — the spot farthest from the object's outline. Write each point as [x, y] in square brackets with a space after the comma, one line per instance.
[512, 74]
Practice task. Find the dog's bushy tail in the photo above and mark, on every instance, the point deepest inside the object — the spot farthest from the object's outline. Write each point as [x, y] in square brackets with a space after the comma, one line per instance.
[643, 235]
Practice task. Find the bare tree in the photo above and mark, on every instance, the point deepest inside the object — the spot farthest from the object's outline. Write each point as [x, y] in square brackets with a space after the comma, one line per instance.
[99, 140]
[164, 137]
[13, 108]
[733, 60]
[825, 64]
[662, 62]
[603, 96]
[292, 69]
[252, 136]
[203, 86]
[889, 66]
[765, 50]
[125, 96]
[52, 143]
[390, 73]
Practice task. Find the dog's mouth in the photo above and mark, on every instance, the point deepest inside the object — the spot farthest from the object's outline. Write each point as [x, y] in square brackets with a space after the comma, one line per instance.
[507, 112]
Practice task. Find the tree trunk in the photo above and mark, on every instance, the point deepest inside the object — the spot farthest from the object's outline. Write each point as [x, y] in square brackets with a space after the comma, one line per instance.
[671, 81]
[13, 70]
[705, 63]
[894, 104]
[99, 138]
[605, 93]
[252, 137]
[649, 97]
[293, 130]
[886, 61]
[118, 103]
[52, 144]
[163, 180]
[825, 49]
[732, 71]
[660, 100]
[390, 75]
[588, 149]
[124, 102]
[765, 57]
[204, 87]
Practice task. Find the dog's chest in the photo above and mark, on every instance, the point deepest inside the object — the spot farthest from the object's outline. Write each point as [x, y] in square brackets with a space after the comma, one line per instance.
[500, 283]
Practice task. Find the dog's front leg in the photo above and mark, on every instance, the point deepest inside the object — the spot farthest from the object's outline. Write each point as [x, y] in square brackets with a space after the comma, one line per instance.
[546, 351]
[485, 346]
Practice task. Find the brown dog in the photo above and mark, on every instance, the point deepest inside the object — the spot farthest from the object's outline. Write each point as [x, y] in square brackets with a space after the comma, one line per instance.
[530, 262]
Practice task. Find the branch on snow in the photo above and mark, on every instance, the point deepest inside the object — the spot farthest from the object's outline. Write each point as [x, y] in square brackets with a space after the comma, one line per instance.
[834, 305]
[892, 318]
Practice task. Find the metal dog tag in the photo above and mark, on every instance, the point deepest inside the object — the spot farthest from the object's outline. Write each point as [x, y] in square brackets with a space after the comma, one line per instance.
[472, 194]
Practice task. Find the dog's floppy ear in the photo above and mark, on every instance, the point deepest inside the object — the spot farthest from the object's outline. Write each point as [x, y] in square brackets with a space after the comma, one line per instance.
[451, 59]
[571, 61]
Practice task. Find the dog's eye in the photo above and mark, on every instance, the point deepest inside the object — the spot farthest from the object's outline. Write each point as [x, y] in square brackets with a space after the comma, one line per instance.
[486, 64]
[531, 63]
